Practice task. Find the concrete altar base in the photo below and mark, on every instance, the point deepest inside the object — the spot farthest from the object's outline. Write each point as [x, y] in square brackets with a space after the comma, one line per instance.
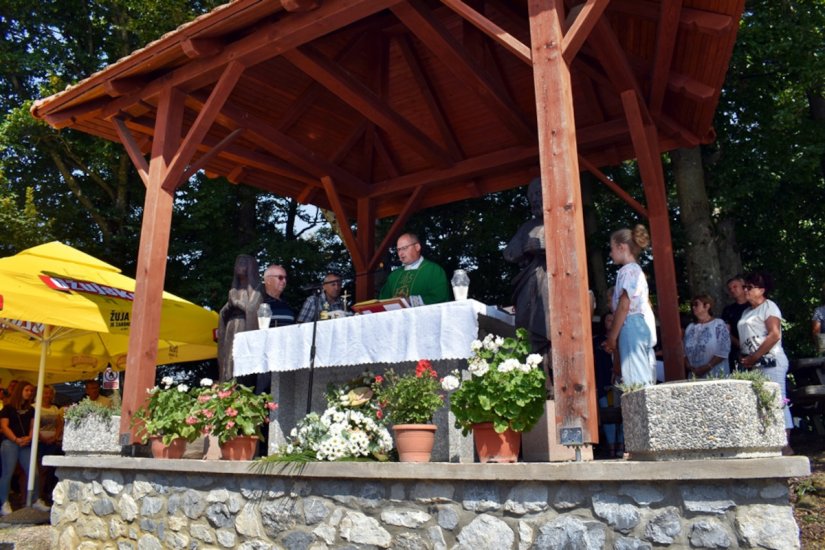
[142, 503]
[701, 419]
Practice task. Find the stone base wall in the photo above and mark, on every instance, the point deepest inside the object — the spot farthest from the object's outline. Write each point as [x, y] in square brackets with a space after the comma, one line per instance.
[430, 506]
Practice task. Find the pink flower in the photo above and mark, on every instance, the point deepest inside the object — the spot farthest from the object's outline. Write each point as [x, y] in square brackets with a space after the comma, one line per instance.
[191, 420]
[231, 412]
[272, 406]
[379, 414]
[207, 413]
[379, 379]
[229, 424]
[203, 398]
[224, 394]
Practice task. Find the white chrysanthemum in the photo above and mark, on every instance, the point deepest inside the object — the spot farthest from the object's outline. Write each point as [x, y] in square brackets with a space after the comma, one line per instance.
[206, 382]
[534, 360]
[167, 381]
[476, 345]
[449, 382]
[183, 388]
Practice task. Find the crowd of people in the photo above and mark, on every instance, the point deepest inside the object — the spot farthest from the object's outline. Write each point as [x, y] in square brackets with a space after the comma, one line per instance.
[17, 413]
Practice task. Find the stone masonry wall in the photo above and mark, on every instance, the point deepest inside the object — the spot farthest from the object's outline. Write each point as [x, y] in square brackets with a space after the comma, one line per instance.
[134, 509]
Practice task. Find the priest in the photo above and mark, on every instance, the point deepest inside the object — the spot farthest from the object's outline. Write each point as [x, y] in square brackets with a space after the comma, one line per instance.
[417, 277]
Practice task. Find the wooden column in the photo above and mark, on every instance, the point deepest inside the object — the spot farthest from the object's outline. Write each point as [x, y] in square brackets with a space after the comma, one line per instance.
[151, 266]
[570, 333]
[365, 282]
[645, 141]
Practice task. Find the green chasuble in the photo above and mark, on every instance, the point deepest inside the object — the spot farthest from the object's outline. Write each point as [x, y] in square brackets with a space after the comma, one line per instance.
[428, 281]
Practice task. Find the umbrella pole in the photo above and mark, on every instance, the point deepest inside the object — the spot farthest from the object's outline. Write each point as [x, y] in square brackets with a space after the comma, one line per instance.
[41, 380]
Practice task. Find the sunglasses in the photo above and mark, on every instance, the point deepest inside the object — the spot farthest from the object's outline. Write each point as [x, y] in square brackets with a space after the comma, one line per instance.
[279, 277]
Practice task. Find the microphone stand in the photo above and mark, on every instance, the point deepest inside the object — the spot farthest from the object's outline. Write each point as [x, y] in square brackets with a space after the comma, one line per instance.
[312, 347]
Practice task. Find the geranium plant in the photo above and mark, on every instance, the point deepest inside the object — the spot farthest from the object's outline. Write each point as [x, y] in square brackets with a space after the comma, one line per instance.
[504, 385]
[167, 413]
[228, 410]
[410, 398]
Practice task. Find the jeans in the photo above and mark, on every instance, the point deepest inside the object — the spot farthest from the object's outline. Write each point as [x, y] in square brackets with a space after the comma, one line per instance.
[10, 454]
[636, 352]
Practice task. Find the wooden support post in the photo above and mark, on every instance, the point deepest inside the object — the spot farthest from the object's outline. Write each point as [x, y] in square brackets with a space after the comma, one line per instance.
[570, 334]
[365, 240]
[151, 267]
[645, 142]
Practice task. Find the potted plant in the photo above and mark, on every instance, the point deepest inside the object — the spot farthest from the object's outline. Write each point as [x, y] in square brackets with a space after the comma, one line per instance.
[234, 414]
[409, 401]
[166, 419]
[501, 395]
[92, 428]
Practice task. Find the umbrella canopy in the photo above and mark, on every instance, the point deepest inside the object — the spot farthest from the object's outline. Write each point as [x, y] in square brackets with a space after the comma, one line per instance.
[69, 314]
[88, 304]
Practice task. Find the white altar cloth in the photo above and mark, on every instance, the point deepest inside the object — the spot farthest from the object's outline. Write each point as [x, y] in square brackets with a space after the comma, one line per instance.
[439, 331]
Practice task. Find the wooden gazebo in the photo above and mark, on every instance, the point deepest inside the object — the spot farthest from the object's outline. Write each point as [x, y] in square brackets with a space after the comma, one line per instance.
[379, 108]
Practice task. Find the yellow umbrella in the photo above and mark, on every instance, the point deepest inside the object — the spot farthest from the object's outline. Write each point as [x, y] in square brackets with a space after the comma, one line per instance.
[67, 313]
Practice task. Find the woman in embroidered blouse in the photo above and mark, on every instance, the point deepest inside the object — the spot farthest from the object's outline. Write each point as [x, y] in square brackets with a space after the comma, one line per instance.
[707, 341]
[760, 337]
[634, 328]
[16, 421]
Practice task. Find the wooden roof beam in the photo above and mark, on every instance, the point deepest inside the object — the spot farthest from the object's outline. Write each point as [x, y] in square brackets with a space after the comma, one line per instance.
[429, 30]
[353, 92]
[410, 207]
[298, 6]
[211, 153]
[584, 18]
[690, 87]
[433, 104]
[690, 19]
[663, 56]
[123, 86]
[133, 150]
[268, 41]
[485, 25]
[195, 48]
[466, 169]
[343, 224]
[613, 186]
[344, 149]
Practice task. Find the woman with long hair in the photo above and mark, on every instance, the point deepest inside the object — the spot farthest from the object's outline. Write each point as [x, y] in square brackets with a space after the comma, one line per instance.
[16, 422]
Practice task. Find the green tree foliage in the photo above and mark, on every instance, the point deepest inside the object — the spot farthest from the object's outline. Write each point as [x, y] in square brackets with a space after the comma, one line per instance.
[23, 225]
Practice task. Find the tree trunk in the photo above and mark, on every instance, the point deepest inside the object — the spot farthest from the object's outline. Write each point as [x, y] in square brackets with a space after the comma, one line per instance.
[704, 276]
[730, 260]
[595, 257]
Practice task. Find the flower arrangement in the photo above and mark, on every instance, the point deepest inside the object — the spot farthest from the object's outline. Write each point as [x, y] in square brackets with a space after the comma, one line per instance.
[504, 385]
[228, 410]
[411, 398]
[167, 413]
[348, 429]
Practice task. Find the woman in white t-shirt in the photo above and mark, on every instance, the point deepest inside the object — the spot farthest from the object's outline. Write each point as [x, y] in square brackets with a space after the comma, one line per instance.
[760, 337]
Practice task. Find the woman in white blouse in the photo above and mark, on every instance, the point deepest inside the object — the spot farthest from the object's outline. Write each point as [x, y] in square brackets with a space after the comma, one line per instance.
[760, 337]
[707, 341]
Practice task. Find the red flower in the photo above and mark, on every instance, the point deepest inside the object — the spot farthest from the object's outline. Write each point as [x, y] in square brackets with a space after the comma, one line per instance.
[379, 379]
[379, 414]
[425, 367]
[272, 406]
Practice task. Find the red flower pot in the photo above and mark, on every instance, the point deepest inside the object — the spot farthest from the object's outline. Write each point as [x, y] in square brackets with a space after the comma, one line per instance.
[414, 441]
[242, 447]
[175, 449]
[496, 447]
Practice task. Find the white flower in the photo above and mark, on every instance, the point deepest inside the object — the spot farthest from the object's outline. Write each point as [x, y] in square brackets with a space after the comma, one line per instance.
[476, 345]
[490, 343]
[481, 368]
[499, 341]
[183, 388]
[449, 382]
[151, 391]
[206, 382]
[534, 360]
[524, 367]
[167, 381]
[508, 365]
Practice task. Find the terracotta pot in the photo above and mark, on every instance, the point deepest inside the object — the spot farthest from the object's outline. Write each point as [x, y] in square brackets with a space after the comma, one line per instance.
[175, 449]
[414, 441]
[496, 447]
[242, 447]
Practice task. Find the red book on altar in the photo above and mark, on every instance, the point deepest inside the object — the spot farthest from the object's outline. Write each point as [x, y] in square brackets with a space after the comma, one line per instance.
[375, 306]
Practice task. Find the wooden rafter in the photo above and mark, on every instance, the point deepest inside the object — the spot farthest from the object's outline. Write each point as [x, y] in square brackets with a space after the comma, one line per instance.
[343, 224]
[613, 186]
[665, 46]
[347, 145]
[587, 15]
[410, 206]
[429, 30]
[690, 19]
[353, 92]
[488, 27]
[213, 151]
[385, 155]
[195, 48]
[430, 98]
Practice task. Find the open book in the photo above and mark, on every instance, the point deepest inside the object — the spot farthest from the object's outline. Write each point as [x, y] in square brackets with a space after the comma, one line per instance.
[374, 306]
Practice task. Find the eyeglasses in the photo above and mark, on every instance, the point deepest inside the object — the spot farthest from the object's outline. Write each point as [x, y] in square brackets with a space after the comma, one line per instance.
[279, 277]
[405, 247]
